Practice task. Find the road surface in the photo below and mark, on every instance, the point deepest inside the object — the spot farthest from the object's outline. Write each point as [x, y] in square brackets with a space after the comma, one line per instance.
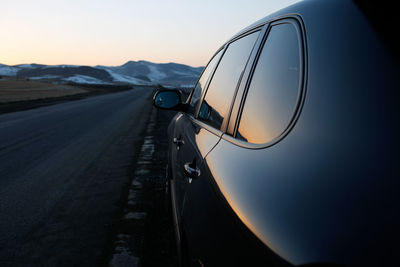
[63, 169]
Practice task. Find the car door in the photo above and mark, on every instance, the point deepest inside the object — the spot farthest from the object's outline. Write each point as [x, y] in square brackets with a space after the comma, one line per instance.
[181, 143]
[236, 231]
[200, 134]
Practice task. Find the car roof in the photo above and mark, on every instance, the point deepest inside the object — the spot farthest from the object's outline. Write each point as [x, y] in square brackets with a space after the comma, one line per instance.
[298, 9]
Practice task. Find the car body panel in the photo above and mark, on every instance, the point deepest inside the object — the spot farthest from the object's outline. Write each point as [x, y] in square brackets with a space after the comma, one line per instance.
[196, 142]
[325, 193]
[315, 198]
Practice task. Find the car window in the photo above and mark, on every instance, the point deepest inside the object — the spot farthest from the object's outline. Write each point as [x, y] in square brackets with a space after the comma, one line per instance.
[273, 91]
[223, 84]
[198, 90]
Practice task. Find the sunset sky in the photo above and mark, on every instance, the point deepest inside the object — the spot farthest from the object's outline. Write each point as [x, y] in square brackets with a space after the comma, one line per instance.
[105, 32]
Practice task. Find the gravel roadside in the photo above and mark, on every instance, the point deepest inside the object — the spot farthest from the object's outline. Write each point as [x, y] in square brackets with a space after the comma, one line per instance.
[143, 233]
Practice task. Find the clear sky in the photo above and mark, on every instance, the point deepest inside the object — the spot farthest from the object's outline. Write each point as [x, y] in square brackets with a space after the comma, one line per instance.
[111, 32]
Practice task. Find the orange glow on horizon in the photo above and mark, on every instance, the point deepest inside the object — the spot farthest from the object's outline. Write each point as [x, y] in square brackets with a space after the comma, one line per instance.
[113, 32]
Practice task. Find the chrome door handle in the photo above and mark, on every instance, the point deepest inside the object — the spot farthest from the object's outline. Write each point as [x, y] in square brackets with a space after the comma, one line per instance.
[178, 142]
[191, 171]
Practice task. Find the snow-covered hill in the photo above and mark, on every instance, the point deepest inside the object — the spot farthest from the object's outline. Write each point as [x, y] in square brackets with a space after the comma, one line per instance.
[132, 72]
[8, 70]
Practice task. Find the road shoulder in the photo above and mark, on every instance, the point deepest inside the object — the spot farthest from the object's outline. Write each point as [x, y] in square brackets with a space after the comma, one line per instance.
[143, 233]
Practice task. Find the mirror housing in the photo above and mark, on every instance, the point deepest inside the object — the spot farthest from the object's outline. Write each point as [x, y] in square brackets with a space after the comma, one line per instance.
[169, 99]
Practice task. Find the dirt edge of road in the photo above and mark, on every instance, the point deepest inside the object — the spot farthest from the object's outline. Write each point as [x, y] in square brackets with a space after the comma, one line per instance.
[142, 232]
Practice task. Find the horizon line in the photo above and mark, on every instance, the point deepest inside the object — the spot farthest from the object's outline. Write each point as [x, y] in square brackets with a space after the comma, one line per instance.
[87, 65]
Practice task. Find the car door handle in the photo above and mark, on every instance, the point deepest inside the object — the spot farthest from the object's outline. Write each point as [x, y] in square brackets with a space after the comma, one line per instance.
[191, 171]
[178, 141]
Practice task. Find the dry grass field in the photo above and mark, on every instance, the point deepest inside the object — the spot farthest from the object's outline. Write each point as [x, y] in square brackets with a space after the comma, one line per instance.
[13, 90]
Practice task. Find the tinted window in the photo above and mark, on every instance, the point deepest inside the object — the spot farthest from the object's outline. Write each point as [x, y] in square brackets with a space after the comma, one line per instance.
[223, 84]
[273, 91]
[198, 90]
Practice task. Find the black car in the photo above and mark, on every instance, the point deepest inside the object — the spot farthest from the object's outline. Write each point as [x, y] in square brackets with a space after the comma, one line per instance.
[287, 150]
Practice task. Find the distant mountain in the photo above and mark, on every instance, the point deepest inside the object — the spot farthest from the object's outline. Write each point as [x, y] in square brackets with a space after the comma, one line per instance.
[8, 70]
[132, 72]
[150, 73]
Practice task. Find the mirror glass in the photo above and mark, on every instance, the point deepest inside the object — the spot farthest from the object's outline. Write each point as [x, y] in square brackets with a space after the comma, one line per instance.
[167, 99]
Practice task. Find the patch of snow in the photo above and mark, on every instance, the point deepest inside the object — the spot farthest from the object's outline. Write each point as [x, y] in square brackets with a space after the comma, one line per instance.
[148, 140]
[26, 66]
[181, 86]
[135, 215]
[124, 78]
[187, 85]
[132, 194]
[8, 71]
[84, 79]
[136, 184]
[122, 236]
[155, 74]
[144, 162]
[169, 86]
[132, 203]
[147, 147]
[123, 258]
[142, 171]
[183, 73]
[62, 66]
[45, 77]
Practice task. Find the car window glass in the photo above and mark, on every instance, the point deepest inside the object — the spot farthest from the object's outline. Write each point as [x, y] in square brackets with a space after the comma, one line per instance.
[223, 84]
[198, 90]
[273, 91]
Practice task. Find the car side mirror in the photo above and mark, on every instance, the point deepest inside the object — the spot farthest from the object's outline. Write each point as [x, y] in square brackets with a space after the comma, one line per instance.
[169, 99]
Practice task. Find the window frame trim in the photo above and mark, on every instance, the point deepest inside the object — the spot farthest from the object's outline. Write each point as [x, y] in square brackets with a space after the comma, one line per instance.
[189, 99]
[203, 94]
[231, 133]
[262, 28]
[236, 103]
[225, 47]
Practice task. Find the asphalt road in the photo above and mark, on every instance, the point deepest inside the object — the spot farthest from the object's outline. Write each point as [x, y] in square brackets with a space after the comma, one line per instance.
[63, 169]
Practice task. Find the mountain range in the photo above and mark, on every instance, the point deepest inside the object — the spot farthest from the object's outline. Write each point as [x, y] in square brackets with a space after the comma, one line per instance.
[132, 72]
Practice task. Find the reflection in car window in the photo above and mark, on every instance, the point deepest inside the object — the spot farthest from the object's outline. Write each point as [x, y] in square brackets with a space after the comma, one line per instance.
[198, 90]
[223, 84]
[273, 91]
